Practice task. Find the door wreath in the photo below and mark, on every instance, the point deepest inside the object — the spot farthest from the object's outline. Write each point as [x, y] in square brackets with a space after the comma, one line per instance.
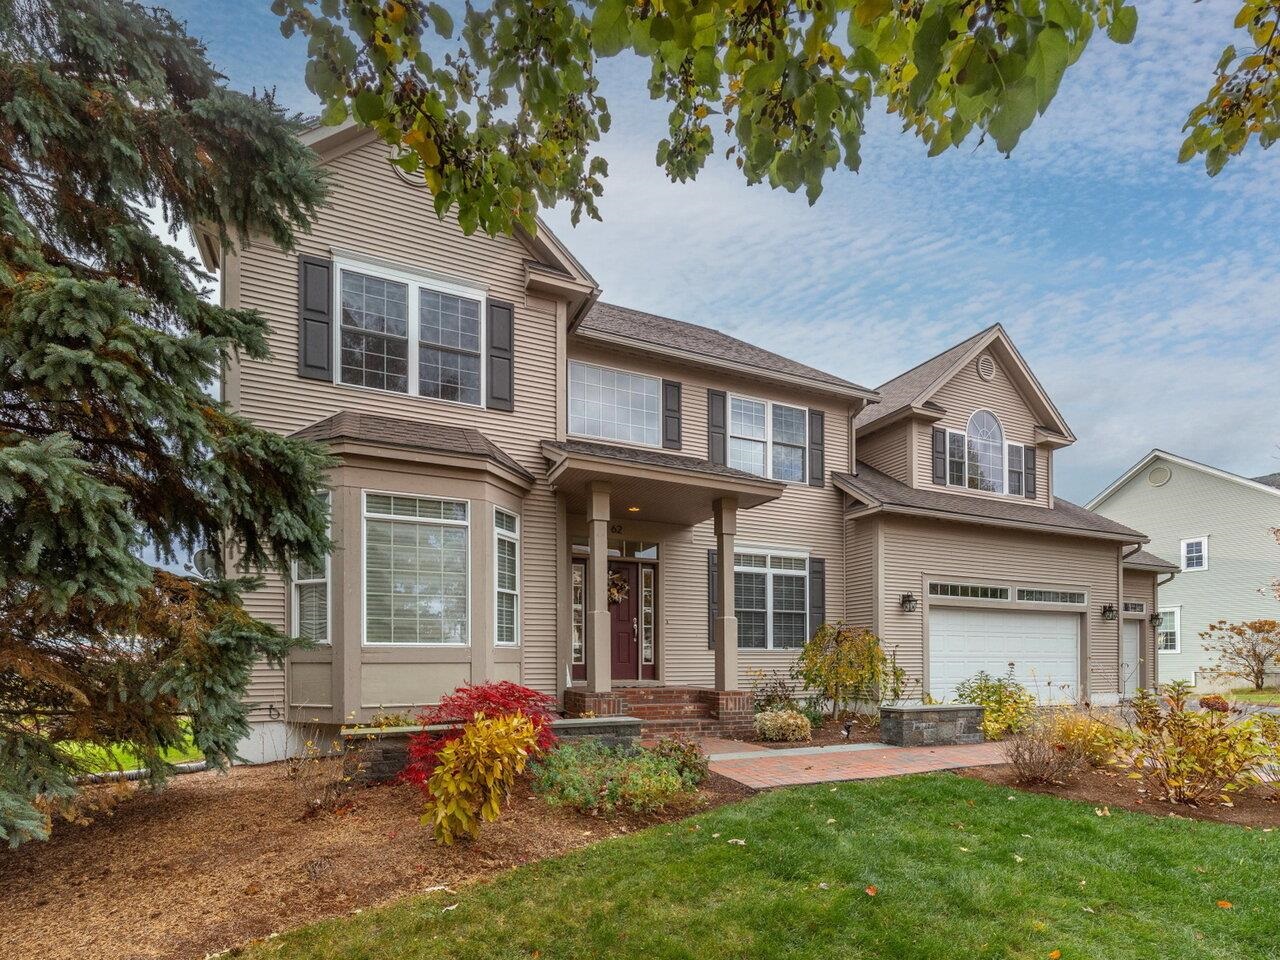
[619, 588]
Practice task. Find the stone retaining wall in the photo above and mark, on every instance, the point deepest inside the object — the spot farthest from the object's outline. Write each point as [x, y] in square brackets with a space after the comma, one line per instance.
[927, 725]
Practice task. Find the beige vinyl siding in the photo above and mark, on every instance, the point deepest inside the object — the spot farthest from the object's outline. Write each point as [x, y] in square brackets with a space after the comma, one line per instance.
[859, 574]
[805, 518]
[960, 397]
[917, 551]
[372, 211]
[889, 450]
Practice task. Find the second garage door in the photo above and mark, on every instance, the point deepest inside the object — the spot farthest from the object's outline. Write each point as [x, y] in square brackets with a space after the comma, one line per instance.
[1044, 649]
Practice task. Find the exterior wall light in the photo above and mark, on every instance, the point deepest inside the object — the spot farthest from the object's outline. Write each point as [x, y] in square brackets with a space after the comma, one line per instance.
[908, 602]
[1109, 612]
[1155, 620]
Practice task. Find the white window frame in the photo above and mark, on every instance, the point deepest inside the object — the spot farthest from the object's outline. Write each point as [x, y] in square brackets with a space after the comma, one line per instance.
[1061, 591]
[1008, 445]
[568, 401]
[1204, 553]
[768, 436]
[364, 566]
[296, 582]
[963, 585]
[514, 539]
[769, 553]
[1177, 630]
[414, 280]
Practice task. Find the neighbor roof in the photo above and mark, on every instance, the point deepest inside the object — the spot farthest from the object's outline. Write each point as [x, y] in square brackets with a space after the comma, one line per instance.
[1268, 483]
[410, 435]
[879, 490]
[610, 322]
[1144, 560]
[651, 458]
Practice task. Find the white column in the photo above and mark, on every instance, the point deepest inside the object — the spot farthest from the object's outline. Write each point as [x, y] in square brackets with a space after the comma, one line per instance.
[726, 624]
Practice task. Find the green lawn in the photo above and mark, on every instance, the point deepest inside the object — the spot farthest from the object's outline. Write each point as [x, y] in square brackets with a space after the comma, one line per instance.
[1267, 695]
[1027, 875]
[98, 759]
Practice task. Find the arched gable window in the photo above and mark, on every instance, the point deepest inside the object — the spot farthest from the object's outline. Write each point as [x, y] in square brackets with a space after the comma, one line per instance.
[985, 442]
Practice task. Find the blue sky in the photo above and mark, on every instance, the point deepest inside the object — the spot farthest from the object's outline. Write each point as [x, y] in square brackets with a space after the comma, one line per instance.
[1145, 296]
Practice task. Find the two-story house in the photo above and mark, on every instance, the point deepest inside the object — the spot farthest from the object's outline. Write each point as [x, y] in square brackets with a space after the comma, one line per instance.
[636, 513]
[1220, 527]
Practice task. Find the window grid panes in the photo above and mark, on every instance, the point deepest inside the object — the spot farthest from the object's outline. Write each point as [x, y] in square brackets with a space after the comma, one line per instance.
[1167, 631]
[507, 574]
[1193, 555]
[768, 439]
[614, 404]
[579, 648]
[1015, 469]
[789, 432]
[647, 608]
[311, 599]
[771, 600]
[416, 570]
[1134, 606]
[1050, 596]
[955, 459]
[374, 333]
[986, 453]
[968, 591]
[747, 436]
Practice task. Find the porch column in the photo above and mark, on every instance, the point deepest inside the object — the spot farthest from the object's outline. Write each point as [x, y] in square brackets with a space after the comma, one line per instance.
[600, 656]
[726, 625]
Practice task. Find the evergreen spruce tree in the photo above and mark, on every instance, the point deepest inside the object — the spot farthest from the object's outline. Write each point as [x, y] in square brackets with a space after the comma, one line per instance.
[110, 442]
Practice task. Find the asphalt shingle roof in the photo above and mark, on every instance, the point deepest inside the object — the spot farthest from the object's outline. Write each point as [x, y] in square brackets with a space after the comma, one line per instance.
[1146, 560]
[1270, 479]
[651, 458]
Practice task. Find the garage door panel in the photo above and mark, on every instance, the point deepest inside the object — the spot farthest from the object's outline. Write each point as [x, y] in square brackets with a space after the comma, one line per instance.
[1043, 647]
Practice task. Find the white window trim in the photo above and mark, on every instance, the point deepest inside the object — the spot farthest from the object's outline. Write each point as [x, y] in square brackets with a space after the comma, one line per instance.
[1177, 630]
[568, 399]
[964, 436]
[768, 437]
[768, 571]
[1007, 588]
[1083, 602]
[1204, 552]
[414, 280]
[514, 538]
[364, 566]
[294, 611]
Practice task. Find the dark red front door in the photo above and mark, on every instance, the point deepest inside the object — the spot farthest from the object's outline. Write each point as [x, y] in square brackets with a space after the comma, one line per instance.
[624, 622]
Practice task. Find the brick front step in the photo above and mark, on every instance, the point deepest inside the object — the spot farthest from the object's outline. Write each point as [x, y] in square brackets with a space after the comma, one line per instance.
[653, 729]
[690, 711]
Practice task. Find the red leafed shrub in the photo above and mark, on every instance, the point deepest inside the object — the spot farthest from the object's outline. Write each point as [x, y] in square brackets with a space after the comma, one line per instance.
[499, 699]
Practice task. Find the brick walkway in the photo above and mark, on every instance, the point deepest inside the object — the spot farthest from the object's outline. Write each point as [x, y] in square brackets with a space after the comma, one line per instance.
[785, 768]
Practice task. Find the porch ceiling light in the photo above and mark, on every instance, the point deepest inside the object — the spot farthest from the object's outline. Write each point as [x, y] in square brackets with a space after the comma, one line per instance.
[1109, 611]
[908, 602]
[633, 509]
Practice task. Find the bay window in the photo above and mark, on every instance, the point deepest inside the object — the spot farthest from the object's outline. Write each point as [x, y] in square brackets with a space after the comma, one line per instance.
[310, 587]
[506, 536]
[771, 595]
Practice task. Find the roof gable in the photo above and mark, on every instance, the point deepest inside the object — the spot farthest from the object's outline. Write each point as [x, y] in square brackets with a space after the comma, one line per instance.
[918, 386]
[1269, 483]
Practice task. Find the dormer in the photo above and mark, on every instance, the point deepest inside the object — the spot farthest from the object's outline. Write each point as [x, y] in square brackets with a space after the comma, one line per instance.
[973, 421]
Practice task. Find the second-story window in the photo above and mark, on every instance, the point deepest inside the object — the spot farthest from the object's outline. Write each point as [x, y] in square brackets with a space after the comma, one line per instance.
[614, 404]
[986, 453]
[768, 439]
[409, 334]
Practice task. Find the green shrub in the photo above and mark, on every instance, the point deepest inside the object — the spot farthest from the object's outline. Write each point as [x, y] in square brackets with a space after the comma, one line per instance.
[772, 691]
[596, 779]
[813, 710]
[691, 763]
[1008, 706]
[783, 726]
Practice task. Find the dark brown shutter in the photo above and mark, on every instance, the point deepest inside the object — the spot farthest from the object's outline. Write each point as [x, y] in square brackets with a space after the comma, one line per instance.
[501, 370]
[713, 599]
[817, 447]
[315, 318]
[1029, 472]
[940, 456]
[817, 594]
[717, 427]
[671, 414]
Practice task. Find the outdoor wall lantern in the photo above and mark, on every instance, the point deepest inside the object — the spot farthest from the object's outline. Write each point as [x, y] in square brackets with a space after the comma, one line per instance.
[1155, 620]
[908, 602]
[1109, 611]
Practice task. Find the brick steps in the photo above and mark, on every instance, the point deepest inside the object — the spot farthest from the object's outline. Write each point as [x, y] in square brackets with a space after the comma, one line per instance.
[663, 711]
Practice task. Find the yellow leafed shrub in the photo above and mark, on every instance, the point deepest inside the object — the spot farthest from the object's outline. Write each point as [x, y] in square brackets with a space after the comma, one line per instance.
[1081, 732]
[475, 774]
[789, 726]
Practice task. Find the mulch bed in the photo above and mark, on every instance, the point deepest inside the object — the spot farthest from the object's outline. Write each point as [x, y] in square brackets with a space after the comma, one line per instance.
[831, 733]
[214, 860]
[1258, 808]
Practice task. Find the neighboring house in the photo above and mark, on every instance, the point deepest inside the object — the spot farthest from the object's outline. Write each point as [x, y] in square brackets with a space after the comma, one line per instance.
[634, 513]
[1219, 527]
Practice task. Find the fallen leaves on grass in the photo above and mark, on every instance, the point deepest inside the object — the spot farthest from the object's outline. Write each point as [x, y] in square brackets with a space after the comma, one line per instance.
[1224, 904]
[872, 890]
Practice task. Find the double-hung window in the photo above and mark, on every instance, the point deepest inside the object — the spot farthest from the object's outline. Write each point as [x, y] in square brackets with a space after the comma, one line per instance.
[506, 534]
[409, 333]
[768, 439]
[1168, 633]
[311, 598]
[1195, 554]
[614, 404]
[771, 594]
[416, 570]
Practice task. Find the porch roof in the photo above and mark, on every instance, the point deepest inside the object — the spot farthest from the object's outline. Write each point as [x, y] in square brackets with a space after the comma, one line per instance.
[651, 484]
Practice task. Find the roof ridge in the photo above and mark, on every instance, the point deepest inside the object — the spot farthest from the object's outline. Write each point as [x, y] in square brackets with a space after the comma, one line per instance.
[940, 354]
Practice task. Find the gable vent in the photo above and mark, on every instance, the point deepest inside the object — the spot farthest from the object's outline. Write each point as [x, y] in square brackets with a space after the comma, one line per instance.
[986, 367]
[1159, 476]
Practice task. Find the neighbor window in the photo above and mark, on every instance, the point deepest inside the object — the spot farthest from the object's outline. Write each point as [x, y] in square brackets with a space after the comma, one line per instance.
[1168, 633]
[771, 593]
[768, 439]
[1050, 596]
[614, 405]
[968, 591]
[400, 332]
[416, 570]
[311, 598]
[506, 534]
[1195, 554]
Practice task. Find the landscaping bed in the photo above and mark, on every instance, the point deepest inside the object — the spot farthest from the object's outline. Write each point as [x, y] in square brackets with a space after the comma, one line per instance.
[215, 860]
[1112, 789]
[829, 733]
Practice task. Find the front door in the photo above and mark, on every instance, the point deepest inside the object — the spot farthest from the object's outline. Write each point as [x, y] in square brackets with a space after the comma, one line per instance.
[624, 620]
[1130, 658]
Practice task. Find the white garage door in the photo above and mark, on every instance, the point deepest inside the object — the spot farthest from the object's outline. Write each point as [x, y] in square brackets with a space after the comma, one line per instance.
[1044, 649]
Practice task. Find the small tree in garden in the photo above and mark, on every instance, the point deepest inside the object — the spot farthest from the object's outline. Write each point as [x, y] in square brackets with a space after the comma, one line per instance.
[1245, 651]
[848, 665]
